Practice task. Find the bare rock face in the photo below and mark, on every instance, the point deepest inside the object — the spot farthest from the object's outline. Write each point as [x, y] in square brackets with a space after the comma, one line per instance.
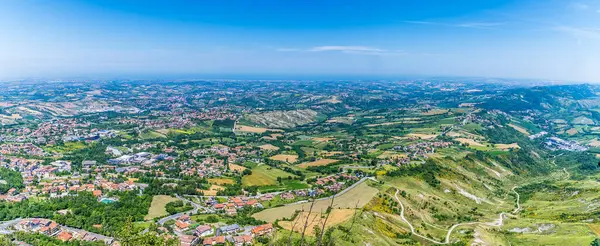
[284, 119]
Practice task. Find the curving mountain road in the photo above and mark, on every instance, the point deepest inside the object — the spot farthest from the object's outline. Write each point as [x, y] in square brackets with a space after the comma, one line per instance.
[499, 222]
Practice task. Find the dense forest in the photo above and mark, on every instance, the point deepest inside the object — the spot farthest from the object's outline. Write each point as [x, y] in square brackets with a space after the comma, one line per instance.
[85, 211]
[10, 179]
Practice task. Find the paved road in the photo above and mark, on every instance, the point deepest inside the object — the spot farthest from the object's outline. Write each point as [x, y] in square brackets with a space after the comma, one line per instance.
[196, 206]
[4, 226]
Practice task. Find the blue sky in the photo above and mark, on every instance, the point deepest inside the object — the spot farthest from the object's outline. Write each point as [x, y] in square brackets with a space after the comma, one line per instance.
[550, 39]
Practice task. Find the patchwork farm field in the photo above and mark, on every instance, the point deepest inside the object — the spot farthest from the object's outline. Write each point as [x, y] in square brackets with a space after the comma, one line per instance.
[321, 162]
[285, 158]
[264, 175]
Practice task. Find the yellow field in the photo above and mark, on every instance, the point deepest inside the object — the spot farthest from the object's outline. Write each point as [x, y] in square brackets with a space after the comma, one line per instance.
[268, 147]
[572, 131]
[323, 139]
[422, 136]
[220, 181]
[594, 143]
[507, 146]
[252, 129]
[392, 155]
[519, 129]
[234, 167]
[286, 158]
[163, 131]
[212, 191]
[435, 112]
[334, 100]
[331, 153]
[471, 142]
[595, 228]
[336, 217]
[362, 193]
[157, 207]
[322, 162]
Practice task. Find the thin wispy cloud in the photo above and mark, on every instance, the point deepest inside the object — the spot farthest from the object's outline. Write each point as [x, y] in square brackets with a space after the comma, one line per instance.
[477, 25]
[579, 32]
[286, 49]
[359, 50]
[345, 48]
[579, 6]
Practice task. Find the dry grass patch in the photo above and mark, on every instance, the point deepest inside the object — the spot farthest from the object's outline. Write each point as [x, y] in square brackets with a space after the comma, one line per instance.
[252, 129]
[435, 112]
[595, 228]
[273, 136]
[519, 129]
[507, 146]
[268, 147]
[286, 158]
[468, 141]
[163, 131]
[331, 153]
[421, 136]
[157, 207]
[234, 167]
[362, 193]
[323, 139]
[594, 143]
[221, 181]
[392, 155]
[336, 217]
[212, 191]
[322, 162]
[572, 131]
[333, 99]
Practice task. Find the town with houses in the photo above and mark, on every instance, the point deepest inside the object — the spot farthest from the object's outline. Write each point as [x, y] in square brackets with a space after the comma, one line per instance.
[275, 163]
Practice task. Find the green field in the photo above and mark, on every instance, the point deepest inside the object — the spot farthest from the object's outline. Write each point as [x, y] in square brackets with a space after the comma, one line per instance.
[264, 175]
[157, 207]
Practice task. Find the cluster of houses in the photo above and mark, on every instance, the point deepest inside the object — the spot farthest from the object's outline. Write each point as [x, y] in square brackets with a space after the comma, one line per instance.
[42, 180]
[337, 182]
[554, 143]
[51, 228]
[21, 149]
[218, 235]
[416, 151]
[176, 122]
[233, 204]
[138, 158]
[91, 135]
[208, 167]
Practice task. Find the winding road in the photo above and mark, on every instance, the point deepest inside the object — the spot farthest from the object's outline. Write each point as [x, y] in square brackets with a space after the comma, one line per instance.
[498, 222]
[190, 212]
